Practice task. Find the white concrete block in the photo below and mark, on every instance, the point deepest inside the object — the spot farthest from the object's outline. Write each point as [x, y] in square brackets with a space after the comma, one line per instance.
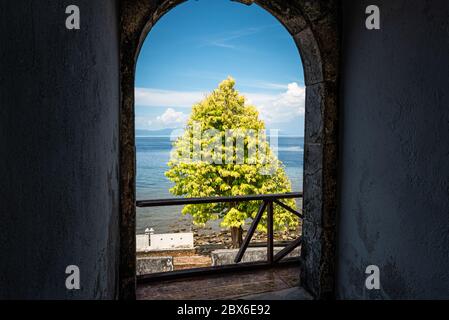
[142, 242]
[166, 241]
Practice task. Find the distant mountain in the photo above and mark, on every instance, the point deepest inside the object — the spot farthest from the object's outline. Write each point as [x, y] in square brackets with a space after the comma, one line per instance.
[168, 132]
[153, 133]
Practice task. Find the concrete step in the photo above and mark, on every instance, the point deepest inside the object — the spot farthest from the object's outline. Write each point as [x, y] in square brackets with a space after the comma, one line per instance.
[189, 262]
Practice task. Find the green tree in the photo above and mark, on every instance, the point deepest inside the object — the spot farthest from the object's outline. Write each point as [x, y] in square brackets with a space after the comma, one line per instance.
[224, 151]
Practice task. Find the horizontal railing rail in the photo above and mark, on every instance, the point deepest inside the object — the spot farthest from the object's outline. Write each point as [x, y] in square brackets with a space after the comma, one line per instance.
[184, 201]
[267, 204]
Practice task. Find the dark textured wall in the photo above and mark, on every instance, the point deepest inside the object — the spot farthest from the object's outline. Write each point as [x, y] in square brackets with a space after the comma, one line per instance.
[394, 203]
[59, 111]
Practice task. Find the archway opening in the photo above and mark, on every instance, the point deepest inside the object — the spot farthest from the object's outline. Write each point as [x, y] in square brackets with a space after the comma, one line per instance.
[320, 58]
[219, 112]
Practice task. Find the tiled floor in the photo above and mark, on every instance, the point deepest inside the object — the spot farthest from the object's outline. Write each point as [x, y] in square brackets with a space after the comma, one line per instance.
[275, 283]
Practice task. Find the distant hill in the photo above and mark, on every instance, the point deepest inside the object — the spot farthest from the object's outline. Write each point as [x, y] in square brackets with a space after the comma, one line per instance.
[168, 132]
[153, 133]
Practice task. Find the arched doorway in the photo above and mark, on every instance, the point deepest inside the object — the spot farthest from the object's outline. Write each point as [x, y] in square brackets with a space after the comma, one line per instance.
[314, 27]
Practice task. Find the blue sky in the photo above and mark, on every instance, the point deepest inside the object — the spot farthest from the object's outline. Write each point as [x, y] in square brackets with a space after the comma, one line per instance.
[198, 44]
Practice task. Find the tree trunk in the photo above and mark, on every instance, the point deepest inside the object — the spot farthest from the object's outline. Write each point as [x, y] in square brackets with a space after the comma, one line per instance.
[237, 237]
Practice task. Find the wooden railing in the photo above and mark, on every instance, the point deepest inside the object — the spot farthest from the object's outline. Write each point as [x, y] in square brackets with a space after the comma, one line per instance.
[267, 204]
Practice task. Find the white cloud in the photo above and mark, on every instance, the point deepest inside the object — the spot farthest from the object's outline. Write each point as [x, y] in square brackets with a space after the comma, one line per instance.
[224, 40]
[273, 107]
[263, 85]
[281, 107]
[171, 118]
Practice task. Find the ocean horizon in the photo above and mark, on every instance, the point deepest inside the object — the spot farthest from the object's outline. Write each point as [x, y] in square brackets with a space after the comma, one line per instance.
[152, 155]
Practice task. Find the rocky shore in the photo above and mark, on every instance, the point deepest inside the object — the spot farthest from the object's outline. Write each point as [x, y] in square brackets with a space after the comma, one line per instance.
[213, 235]
[222, 238]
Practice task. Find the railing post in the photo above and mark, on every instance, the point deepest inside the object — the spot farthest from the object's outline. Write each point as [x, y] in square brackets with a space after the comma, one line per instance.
[250, 232]
[270, 232]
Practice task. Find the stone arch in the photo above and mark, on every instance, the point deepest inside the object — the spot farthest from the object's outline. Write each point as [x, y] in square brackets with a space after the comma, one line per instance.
[315, 29]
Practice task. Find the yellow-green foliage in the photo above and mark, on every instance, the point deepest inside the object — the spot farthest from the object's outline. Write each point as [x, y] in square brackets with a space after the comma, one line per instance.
[217, 172]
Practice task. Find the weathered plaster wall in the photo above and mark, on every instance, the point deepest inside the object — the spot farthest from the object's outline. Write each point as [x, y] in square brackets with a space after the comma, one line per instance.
[59, 112]
[394, 203]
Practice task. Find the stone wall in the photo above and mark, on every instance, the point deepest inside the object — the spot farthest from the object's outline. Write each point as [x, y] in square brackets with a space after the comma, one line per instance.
[147, 265]
[226, 256]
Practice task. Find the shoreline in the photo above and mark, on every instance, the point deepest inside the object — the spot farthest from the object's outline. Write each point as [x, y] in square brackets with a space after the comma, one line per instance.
[205, 236]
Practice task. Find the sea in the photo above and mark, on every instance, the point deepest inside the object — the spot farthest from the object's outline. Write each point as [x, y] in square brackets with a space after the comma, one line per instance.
[153, 153]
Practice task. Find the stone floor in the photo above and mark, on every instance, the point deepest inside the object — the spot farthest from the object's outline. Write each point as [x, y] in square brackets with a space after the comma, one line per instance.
[281, 282]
